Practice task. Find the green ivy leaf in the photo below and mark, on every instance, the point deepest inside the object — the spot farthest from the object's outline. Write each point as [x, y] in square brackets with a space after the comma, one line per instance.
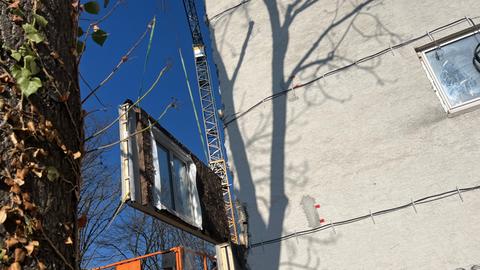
[30, 64]
[40, 20]
[99, 37]
[52, 173]
[80, 47]
[15, 71]
[32, 33]
[92, 7]
[17, 12]
[80, 32]
[16, 55]
[20, 74]
[30, 86]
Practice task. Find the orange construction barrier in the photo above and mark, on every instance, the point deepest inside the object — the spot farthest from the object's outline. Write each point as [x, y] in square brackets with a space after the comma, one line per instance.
[177, 258]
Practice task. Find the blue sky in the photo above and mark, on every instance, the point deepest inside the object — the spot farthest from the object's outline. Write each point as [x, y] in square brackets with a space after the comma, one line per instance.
[125, 25]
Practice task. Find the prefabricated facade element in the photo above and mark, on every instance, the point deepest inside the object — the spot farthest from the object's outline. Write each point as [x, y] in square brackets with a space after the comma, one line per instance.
[353, 130]
[165, 180]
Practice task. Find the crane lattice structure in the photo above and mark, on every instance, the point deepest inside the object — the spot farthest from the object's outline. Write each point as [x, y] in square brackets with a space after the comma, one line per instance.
[214, 145]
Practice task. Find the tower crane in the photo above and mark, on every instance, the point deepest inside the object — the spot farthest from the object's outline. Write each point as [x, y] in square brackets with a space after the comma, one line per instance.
[216, 159]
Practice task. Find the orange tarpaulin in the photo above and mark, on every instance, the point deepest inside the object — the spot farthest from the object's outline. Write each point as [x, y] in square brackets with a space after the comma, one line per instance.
[135, 265]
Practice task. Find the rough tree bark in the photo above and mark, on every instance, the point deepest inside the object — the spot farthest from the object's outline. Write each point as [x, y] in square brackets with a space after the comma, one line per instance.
[40, 134]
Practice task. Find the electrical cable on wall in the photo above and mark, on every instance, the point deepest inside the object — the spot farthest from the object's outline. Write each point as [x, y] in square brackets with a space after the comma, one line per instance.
[455, 192]
[343, 68]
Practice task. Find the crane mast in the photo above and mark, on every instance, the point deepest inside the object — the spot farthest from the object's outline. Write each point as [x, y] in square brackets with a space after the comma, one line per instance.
[214, 145]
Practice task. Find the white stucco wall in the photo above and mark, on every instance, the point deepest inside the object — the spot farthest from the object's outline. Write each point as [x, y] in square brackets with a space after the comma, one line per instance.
[372, 137]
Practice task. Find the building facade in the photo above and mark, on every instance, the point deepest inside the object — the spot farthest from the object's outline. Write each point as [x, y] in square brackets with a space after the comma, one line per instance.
[352, 130]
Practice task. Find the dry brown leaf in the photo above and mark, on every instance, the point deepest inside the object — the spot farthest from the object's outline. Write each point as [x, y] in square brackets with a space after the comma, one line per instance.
[3, 215]
[16, 199]
[2, 88]
[22, 173]
[15, 189]
[19, 181]
[77, 155]
[9, 181]
[69, 241]
[22, 240]
[82, 221]
[41, 265]
[13, 138]
[14, 4]
[15, 266]
[55, 55]
[38, 172]
[29, 206]
[10, 242]
[19, 255]
[39, 152]
[31, 126]
[5, 77]
[31, 247]
[75, 4]
[64, 97]
[16, 19]
[48, 124]
[26, 196]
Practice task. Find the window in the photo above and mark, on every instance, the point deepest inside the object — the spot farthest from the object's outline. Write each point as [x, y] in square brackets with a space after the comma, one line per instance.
[174, 187]
[164, 194]
[453, 65]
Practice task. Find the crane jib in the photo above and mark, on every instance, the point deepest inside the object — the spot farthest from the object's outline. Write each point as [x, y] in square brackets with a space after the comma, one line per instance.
[210, 123]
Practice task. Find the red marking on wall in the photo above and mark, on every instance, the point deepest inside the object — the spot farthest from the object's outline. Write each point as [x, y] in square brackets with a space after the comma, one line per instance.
[317, 205]
[322, 220]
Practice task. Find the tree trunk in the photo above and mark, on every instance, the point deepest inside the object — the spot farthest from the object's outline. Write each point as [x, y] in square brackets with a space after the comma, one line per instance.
[41, 134]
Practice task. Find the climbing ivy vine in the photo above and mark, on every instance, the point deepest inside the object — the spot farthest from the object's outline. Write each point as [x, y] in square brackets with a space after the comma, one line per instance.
[26, 75]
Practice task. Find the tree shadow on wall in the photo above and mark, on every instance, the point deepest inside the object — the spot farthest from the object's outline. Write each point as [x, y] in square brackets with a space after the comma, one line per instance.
[241, 143]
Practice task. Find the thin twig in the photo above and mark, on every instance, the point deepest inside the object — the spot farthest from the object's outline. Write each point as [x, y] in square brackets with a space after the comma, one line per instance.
[123, 59]
[90, 88]
[170, 105]
[90, 26]
[57, 251]
[136, 102]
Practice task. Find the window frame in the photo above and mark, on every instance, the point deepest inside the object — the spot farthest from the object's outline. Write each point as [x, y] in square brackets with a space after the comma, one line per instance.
[173, 150]
[437, 86]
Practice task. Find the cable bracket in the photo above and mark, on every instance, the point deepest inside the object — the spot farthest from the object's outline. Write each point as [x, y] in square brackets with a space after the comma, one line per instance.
[459, 194]
[391, 49]
[414, 207]
[333, 227]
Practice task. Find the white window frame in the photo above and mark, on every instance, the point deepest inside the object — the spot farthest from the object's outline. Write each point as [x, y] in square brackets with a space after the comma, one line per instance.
[439, 91]
[174, 150]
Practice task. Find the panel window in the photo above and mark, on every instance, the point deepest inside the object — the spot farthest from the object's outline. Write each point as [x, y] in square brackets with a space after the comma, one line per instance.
[454, 68]
[165, 194]
[173, 188]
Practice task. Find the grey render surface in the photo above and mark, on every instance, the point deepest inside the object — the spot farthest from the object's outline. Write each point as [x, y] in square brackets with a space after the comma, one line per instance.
[372, 137]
